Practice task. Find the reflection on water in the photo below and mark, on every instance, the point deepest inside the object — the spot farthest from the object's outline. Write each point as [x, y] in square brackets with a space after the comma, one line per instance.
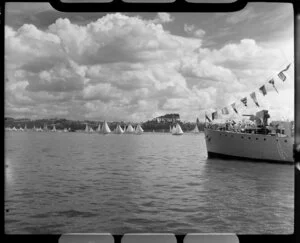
[76, 182]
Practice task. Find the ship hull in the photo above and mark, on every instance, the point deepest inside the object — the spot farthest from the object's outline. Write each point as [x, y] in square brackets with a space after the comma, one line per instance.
[246, 146]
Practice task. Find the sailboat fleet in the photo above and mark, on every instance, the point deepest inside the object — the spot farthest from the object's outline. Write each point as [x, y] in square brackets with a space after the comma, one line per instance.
[105, 129]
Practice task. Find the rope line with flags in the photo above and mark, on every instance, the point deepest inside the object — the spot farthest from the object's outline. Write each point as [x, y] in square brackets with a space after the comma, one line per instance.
[262, 90]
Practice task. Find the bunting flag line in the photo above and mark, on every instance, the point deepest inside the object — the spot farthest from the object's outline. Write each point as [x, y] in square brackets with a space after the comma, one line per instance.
[207, 118]
[244, 100]
[253, 96]
[263, 90]
[282, 76]
[225, 111]
[234, 108]
[214, 115]
[273, 84]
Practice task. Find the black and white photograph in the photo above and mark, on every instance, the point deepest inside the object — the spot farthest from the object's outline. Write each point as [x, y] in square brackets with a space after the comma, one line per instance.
[149, 122]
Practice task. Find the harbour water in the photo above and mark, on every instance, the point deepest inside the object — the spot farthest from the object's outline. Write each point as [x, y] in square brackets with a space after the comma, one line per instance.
[75, 182]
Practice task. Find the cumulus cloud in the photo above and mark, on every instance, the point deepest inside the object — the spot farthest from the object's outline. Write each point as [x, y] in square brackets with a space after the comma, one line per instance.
[163, 18]
[191, 29]
[125, 68]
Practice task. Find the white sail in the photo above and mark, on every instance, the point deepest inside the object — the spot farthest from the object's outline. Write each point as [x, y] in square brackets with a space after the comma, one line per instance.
[178, 130]
[105, 128]
[99, 128]
[25, 128]
[196, 130]
[173, 129]
[86, 128]
[91, 129]
[54, 128]
[119, 130]
[139, 129]
[14, 129]
[129, 129]
[65, 130]
[21, 129]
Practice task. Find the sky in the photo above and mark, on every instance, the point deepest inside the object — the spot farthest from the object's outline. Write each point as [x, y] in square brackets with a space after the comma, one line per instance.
[137, 66]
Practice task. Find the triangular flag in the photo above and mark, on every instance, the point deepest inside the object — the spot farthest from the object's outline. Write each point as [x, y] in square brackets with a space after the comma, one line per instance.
[244, 100]
[282, 76]
[214, 115]
[273, 84]
[287, 67]
[225, 111]
[234, 108]
[263, 90]
[253, 96]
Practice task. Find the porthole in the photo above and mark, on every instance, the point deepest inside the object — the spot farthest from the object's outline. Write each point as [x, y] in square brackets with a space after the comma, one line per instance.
[256, 138]
[285, 141]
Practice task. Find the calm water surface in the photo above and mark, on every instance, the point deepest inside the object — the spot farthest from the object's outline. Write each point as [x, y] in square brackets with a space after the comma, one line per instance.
[77, 182]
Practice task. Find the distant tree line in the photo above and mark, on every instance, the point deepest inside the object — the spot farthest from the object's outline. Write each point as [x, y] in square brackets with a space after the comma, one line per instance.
[62, 123]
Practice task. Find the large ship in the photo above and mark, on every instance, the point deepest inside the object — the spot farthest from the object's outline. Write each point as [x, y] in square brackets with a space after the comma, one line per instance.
[258, 142]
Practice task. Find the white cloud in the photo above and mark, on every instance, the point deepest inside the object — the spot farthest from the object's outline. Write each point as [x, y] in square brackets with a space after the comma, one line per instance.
[123, 68]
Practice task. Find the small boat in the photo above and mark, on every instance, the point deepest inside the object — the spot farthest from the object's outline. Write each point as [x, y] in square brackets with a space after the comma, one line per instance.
[86, 128]
[66, 130]
[119, 130]
[129, 129]
[99, 128]
[139, 129]
[54, 128]
[196, 130]
[177, 130]
[91, 129]
[105, 128]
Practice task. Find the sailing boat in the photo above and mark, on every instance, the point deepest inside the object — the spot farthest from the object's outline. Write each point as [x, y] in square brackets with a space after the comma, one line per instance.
[196, 130]
[139, 129]
[170, 129]
[173, 129]
[99, 128]
[65, 130]
[105, 128]
[86, 128]
[129, 129]
[45, 127]
[25, 128]
[119, 130]
[91, 129]
[53, 129]
[177, 130]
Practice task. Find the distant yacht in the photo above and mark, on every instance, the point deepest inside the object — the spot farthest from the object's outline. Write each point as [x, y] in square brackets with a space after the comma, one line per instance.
[14, 129]
[91, 129]
[66, 130]
[119, 130]
[196, 130]
[105, 128]
[129, 129]
[173, 129]
[39, 129]
[54, 128]
[99, 128]
[139, 129]
[177, 130]
[86, 128]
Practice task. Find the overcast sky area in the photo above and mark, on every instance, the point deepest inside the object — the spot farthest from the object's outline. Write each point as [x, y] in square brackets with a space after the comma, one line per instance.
[136, 66]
